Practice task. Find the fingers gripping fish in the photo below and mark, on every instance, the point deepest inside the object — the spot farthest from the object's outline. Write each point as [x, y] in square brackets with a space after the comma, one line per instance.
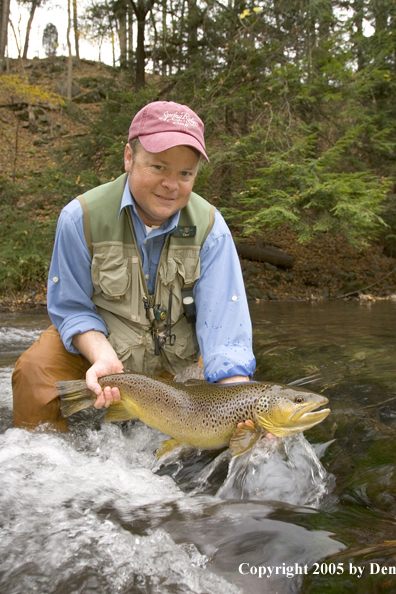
[201, 414]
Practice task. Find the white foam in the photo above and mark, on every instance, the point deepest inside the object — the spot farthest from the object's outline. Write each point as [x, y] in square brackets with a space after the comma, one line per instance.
[70, 505]
[5, 387]
[16, 336]
[54, 489]
[286, 470]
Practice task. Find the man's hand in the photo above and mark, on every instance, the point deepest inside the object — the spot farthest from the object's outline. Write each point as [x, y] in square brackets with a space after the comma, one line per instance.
[103, 367]
[95, 347]
[234, 379]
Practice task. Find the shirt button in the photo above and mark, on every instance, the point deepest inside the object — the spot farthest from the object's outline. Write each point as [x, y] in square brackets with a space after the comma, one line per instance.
[234, 298]
[147, 276]
[145, 241]
[55, 279]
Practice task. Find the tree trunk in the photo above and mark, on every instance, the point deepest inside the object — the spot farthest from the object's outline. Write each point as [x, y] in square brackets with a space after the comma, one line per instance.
[141, 9]
[164, 35]
[70, 58]
[4, 16]
[130, 35]
[113, 46]
[193, 21]
[381, 11]
[33, 7]
[155, 44]
[140, 54]
[358, 19]
[326, 20]
[76, 31]
[122, 35]
[180, 27]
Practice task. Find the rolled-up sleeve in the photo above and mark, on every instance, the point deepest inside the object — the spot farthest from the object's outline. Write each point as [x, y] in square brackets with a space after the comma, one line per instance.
[224, 328]
[69, 283]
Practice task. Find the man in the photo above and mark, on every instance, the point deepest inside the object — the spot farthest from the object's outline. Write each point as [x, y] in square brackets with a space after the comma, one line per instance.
[144, 273]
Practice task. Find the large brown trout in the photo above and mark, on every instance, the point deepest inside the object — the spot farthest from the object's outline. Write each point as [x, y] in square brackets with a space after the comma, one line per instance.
[201, 414]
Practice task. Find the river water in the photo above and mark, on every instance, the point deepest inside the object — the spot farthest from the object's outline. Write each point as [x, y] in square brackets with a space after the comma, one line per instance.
[93, 511]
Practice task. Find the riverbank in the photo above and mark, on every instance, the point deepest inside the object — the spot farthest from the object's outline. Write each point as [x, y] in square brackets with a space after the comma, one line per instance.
[325, 268]
[34, 188]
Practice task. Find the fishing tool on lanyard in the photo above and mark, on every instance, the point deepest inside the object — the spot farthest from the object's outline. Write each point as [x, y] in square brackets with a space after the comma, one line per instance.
[155, 314]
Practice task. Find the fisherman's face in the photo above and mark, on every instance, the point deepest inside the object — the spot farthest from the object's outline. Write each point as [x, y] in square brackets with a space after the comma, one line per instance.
[161, 183]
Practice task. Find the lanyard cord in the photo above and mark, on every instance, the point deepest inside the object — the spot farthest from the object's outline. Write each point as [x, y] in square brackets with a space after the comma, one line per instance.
[160, 337]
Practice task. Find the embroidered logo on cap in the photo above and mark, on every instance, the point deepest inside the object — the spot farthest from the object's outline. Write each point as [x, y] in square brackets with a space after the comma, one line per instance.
[183, 119]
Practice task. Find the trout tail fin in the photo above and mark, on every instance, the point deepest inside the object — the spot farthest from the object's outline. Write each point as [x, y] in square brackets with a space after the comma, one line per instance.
[74, 396]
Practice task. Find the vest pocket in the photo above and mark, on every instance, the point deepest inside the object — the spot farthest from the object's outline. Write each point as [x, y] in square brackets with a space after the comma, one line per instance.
[185, 348]
[130, 348]
[110, 273]
[183, 263]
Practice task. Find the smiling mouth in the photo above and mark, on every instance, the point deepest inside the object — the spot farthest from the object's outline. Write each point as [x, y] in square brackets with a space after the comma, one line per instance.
[164, 198]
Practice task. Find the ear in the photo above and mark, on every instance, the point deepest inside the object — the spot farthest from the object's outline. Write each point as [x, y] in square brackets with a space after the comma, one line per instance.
[128, 160]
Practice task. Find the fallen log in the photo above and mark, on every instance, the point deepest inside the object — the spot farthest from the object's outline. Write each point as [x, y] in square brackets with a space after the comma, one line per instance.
[268, 253]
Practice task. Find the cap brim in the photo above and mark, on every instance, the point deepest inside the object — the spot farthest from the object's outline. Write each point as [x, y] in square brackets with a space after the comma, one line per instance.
[162, 141]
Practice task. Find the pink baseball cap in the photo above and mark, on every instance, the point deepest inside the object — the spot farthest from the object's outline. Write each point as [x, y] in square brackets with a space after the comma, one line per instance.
[162, 125]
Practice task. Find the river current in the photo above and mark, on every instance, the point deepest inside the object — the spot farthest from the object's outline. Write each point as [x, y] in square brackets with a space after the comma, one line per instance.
[95, 511]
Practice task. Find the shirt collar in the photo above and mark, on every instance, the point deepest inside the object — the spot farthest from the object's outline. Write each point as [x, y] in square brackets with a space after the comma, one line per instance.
[127, 200]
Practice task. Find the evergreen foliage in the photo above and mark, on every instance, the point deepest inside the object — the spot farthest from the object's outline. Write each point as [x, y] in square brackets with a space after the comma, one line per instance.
[28, 227]
[298, 100]
[299, 111]
[50, 40]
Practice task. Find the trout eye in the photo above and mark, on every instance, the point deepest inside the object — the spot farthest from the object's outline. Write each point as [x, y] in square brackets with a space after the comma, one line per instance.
[298, 399]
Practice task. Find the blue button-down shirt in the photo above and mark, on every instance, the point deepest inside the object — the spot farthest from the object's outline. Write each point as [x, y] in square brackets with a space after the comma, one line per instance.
[223, 324]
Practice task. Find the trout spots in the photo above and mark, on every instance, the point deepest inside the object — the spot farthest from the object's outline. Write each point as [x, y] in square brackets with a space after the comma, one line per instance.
[205, 415]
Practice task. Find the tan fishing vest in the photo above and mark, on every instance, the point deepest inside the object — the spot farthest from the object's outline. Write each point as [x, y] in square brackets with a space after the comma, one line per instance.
[120, 290]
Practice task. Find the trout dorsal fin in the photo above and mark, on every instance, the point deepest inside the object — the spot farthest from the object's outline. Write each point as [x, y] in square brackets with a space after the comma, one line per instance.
[194, 382]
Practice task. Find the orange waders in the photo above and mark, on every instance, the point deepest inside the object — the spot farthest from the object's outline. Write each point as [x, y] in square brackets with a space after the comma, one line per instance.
[36, 398]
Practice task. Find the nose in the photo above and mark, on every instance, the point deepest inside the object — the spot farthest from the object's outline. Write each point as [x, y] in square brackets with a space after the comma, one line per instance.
[170, 183]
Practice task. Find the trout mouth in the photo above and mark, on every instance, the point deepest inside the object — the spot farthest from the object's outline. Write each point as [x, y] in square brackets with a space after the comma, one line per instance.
[307, 416]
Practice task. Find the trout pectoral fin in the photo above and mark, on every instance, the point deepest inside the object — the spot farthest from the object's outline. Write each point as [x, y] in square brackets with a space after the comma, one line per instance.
[243, 439]
[166, 446]
[117, 411]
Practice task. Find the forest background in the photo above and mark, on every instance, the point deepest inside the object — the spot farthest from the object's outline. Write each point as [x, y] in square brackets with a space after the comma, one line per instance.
[299, 104]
